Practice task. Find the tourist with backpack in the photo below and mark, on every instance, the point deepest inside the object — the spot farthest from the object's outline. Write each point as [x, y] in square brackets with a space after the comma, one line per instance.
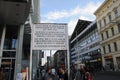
[88, 75]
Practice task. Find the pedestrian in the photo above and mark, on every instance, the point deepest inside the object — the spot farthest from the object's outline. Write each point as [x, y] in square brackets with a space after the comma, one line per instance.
[82, 72]
[112, 66]
[54, 74]
[48, 74]
[24, 74]
[59, 73]
[43, 73]
[64, 75]
[74, 71]
[88, 75]
[2, 76]
[91, 70]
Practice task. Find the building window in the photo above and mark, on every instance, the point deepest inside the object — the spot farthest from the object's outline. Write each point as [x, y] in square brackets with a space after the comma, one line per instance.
[119, 28]
[109, 47]
[102, 36]
[115, 46]
[10, 42]
[110, 18]
[104, 21]
[104, 50]
[112, 29]
[116, 13]
[107, 34]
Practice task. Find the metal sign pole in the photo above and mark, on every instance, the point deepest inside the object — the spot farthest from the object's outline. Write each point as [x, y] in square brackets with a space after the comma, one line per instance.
[50, 58]
[68, 60]
[68, 56]
[27, 74]
[30, 76]
[30, 64]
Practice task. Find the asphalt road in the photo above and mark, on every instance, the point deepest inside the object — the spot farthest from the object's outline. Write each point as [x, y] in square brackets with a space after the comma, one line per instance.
[107, 76]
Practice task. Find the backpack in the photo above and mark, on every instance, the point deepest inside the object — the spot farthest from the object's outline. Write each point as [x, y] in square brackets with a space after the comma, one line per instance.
[88, 76]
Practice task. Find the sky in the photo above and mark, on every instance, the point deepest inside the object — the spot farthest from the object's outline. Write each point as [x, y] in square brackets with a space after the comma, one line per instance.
[68, 11]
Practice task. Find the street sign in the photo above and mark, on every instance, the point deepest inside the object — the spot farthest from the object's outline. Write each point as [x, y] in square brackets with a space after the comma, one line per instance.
[50, 36]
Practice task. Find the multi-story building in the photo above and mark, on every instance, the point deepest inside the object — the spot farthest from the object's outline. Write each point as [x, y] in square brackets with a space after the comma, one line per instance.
[15, 29]
[60, 58]
[85, 46]
[108, 22]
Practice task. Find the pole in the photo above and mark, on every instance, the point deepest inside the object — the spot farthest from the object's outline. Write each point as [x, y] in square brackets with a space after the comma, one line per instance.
[30, 76]
[18, 65]
[50, 58]
[68, 55]
[2, 43]
[68, 60]
[27, 74]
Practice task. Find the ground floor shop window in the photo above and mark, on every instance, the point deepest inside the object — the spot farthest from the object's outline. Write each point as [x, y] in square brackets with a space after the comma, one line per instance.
[118, 62]
[109, 65]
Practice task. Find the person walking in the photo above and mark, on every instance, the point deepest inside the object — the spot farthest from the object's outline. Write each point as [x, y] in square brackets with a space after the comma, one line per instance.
[54, 74]
[82, 72]
[2, 76]
[88, 75]
[48, 74]
[73, 71]
[64, 75]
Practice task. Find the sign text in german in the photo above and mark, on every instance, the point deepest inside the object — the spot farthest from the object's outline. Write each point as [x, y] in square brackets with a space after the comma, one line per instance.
[50, 36]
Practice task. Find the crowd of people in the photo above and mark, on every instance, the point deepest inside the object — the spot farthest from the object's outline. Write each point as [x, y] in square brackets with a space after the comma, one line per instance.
[54, 74]
[84, 73]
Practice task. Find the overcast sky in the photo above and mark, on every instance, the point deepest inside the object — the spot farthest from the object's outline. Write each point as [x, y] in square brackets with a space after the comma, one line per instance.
[68, 11]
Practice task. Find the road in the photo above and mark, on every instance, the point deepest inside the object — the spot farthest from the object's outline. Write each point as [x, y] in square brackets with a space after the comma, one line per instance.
[107, 76]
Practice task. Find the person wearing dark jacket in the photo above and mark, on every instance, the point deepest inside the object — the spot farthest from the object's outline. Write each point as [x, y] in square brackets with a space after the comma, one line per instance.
[48, 74]
[64, 75]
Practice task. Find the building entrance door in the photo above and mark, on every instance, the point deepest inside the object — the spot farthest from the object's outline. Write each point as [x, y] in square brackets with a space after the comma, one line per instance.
[8, 66]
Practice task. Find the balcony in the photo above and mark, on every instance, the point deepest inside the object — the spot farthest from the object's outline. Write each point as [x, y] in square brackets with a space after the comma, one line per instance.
[14, 12]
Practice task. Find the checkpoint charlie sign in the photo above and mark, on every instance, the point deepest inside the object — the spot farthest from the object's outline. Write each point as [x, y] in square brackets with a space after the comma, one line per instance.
[50, 36]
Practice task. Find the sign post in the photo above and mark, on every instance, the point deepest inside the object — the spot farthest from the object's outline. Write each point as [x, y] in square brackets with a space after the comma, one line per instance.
[68, 56]
[30, 77]
[50, 36]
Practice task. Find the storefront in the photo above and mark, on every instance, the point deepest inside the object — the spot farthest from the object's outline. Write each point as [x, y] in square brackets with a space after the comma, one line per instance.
[109, 63]
[8, 66]
[94, 60]
[118, 62]
[8, 38]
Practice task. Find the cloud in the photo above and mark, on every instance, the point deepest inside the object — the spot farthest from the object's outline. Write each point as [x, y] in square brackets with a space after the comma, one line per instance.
[89, 9]
[57, 15]
[71, 26]
[84, 18]
[47, 21]
[72, 15]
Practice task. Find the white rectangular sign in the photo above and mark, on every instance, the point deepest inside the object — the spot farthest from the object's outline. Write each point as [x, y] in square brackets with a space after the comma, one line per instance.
[50, 36]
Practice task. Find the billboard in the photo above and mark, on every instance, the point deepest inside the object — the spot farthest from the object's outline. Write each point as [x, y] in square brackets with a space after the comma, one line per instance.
[50, 36]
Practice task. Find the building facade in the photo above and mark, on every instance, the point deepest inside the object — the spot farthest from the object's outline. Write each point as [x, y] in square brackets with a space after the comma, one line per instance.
[60, 59]
[85, 46]
[15, 29]
[108, 22]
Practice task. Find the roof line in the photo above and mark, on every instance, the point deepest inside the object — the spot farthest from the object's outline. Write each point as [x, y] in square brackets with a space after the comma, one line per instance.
[90, 25]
